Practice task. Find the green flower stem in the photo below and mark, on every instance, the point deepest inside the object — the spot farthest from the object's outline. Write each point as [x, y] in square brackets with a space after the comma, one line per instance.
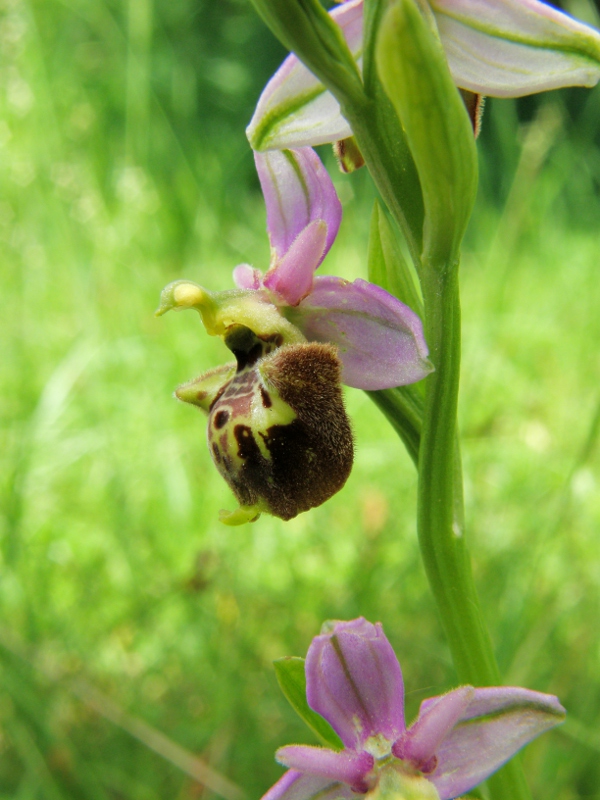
[441, 535]
[442, 543]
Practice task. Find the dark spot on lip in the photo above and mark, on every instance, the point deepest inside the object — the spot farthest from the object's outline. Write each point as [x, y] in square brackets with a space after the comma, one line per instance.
[217, 452]
[247, 447]
[266, 399]
[221, 419]
[218, 396]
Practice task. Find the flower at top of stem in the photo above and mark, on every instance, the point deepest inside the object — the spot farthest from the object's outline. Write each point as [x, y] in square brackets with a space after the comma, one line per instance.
[354, 681]
[379, 339]
[277, 428]
[500, 48]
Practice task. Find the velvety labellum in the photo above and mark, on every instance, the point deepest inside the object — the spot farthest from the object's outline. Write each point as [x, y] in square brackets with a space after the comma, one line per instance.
[277, 427]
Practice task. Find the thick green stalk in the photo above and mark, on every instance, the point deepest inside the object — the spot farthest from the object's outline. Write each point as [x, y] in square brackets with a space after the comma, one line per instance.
[441, 537]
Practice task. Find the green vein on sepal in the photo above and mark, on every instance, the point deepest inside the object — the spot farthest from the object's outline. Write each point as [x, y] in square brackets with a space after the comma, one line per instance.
[267, 131]
[587, 49]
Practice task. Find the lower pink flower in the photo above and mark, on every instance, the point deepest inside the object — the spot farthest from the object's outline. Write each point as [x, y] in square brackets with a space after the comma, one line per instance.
[354, 681]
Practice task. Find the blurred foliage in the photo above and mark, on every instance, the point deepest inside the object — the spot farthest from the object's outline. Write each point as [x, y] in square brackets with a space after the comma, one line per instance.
[123, 601]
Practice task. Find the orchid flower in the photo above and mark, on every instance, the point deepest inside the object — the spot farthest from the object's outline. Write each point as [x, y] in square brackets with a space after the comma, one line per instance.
[500, 48]
[277, 427]
[354, 681]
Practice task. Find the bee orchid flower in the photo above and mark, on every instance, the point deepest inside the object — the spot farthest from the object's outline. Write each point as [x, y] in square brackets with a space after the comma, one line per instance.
[499, 48]
[354, 681]
[277, 428]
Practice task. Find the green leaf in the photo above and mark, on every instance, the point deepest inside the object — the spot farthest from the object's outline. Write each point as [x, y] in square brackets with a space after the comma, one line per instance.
[414, 72]
[387, 266]
[292, 680]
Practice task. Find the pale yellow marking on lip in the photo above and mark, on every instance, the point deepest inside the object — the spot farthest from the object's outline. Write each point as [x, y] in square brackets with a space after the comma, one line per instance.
[187, 295]
[279, 413]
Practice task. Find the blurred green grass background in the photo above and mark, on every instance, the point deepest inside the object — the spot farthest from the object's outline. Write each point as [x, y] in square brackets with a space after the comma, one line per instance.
[133, 623]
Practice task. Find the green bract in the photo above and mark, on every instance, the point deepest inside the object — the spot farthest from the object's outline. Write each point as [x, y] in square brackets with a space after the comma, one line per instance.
[414, 72]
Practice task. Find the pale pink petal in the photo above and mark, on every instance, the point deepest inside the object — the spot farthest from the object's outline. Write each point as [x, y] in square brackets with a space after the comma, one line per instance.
[515, 47]
[297, 191]
[246, 277]
[502, 48]
[295, 109]
[291, 278]
[294, 785]
[353, 679]
[420, 742]
[498, 722]
[380, 340]
[346, 766]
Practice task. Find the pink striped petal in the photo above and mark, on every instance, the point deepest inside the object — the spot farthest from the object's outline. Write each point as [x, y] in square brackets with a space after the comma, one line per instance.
[421, 741]
[346, 766]
[497, 723]
[291, 279]
[353, 679]
[502, 48]
[246, 277]
[380, 340]
[295, 109]
[515, 47]
[297, 190]
[294, 785]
